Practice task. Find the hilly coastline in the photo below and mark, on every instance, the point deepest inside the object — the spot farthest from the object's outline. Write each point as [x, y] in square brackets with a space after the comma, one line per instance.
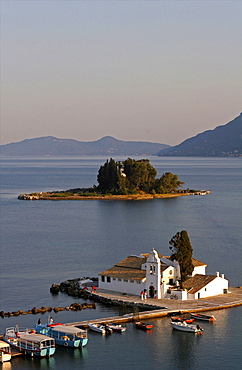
[107, 146]
[223, 141]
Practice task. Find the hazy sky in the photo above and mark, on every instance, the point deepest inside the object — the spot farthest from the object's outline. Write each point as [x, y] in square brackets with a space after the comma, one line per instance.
[159, 71]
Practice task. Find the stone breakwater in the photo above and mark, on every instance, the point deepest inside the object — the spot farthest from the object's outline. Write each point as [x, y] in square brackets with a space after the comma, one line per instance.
[42, 310]
[83, 288]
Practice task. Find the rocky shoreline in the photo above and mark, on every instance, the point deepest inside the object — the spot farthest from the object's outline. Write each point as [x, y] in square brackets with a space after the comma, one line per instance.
[76, 196]
[83, 288]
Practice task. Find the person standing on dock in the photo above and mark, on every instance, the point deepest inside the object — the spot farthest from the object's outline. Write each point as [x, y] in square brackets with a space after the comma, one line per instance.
[142, 295]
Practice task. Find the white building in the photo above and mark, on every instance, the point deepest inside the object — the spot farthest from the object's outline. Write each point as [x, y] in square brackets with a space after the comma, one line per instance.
[159, 276]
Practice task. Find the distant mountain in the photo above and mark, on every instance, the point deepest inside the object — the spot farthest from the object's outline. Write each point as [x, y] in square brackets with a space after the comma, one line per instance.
[223, 141]
[52, 146]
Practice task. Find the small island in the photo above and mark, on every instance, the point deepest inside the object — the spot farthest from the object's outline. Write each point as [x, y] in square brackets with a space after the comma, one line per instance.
[126, 180]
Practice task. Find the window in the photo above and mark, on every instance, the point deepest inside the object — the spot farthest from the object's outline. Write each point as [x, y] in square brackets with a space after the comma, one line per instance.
[132, 281]
[103, 278]
[125, 280]
[151, 269]
[114, 278]
[108, 279]
[119, 279]
[138, 282]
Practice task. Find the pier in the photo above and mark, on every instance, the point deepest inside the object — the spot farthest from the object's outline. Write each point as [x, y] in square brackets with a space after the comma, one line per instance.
[157, 308]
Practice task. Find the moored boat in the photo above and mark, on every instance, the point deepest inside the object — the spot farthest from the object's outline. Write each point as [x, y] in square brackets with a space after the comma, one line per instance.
[183, 326]
[117, 328]
[143, 325]
[64, 335]
[182, 319]
[100, 328]
[5, 352]
[30, 343]
[198, 316]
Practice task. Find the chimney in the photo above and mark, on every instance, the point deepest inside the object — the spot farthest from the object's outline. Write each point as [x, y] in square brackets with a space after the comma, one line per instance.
[222, 276]
[217, 273]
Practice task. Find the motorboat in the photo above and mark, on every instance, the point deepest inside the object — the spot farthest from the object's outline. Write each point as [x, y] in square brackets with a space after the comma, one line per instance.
[100, 328]
[198, 316]
[64, 335]
[117, 328]
[183, 326]
[5, 351]
[143, 325]
[30, 343]
[182, 319]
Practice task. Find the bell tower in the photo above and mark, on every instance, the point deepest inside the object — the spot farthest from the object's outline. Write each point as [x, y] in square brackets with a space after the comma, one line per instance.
[153, 266]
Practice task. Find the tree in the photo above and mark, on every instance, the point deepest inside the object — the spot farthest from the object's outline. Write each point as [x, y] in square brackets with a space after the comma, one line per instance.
[167, 183]
[108, 176]
[131, 176]
[182, 253]
[140, 174]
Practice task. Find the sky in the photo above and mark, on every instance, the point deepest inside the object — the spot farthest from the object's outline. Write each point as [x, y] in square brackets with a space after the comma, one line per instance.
[157, 71]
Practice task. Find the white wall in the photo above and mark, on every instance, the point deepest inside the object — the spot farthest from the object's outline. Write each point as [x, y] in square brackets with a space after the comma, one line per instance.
[215, 287]
[121, 286]
[201, 270]
[180, 295]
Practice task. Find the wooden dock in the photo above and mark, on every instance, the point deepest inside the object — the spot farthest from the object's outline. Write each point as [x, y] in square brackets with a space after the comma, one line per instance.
[163, 307]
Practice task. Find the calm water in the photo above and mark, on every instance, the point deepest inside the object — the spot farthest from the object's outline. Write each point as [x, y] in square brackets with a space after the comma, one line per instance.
[44, 242]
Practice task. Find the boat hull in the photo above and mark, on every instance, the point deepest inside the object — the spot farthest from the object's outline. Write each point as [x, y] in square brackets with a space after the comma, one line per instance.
[186, 327]
[5, 352]
[45, 352]
[117, 328]
[181, 319]
[71, 343]
[29, 343]
[98, 329]
[63, 336]
[143, 326]
[202, 317]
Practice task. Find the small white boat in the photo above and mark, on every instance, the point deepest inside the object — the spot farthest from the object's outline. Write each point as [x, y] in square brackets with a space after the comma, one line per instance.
[117, 328]
[5, 352]
[183, 326]
[100, 328]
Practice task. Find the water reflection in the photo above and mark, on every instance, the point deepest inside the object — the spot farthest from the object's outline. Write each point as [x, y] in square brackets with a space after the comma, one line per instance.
[6, 366]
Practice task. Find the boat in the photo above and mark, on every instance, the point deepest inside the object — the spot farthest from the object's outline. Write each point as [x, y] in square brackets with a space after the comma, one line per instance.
[143, 325]
[117, 328]
[182, 319]
[64, 335]
[100, 328]
[183, 326]
[30, 343]
[198, 316]
[5, 351]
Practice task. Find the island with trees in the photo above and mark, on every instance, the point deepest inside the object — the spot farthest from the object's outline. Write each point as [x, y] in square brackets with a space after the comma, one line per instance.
[128, 179]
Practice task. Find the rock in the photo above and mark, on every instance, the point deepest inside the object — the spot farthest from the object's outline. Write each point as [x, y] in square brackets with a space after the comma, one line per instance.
[55, 288]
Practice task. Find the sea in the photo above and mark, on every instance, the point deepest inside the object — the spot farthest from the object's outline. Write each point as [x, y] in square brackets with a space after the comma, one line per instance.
[46, 242]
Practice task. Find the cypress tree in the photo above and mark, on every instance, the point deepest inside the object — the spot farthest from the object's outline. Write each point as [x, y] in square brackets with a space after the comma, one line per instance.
[182, 253]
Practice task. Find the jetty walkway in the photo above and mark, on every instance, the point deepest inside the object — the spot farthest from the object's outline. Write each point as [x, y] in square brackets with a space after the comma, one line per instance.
[157, 308]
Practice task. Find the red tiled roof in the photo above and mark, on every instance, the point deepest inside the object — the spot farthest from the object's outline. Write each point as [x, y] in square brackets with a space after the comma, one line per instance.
[128, 268]
[195, 262]
[197, 282]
